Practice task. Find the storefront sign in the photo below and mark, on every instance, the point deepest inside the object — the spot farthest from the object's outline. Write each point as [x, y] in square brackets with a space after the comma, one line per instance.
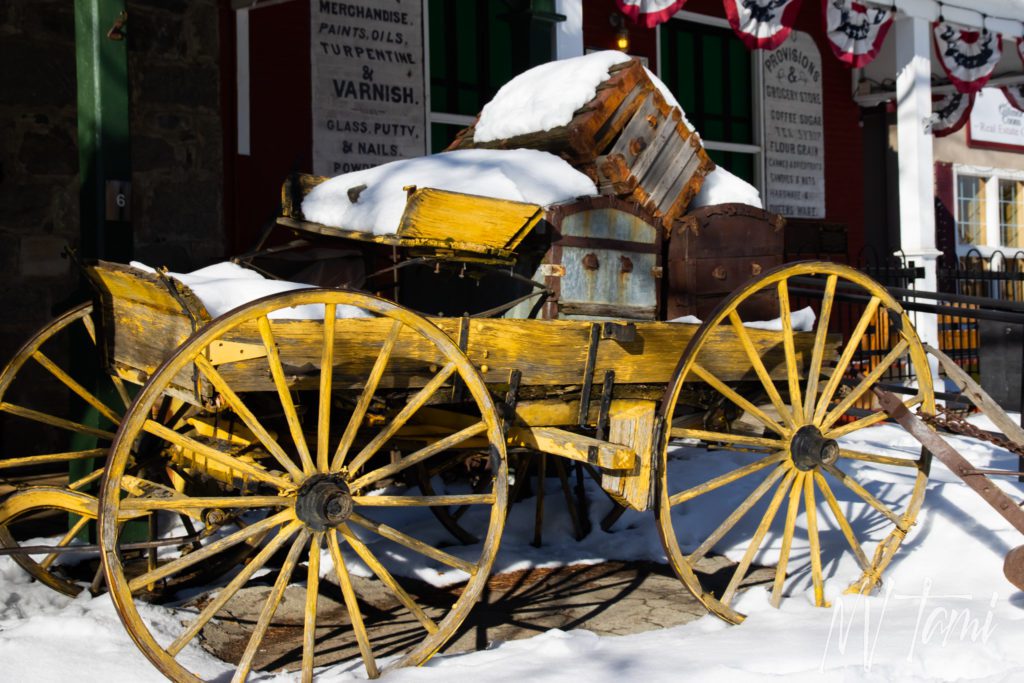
[368, 83]
[995, 123]
[794, 130]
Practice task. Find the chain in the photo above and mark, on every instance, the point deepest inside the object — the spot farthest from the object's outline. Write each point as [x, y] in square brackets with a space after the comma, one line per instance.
[950, 422]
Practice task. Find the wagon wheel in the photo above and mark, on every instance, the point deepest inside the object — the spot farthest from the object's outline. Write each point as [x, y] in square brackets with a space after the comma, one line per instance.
[316, 486]
[792, 453]
[49, 396]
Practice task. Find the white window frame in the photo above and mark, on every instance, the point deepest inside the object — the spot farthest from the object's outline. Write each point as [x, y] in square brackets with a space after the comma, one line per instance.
[993, 229]
[756, 71]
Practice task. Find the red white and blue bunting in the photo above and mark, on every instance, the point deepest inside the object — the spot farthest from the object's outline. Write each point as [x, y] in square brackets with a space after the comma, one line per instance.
[1014, 95]
[855, 31]
[950, 113]
[1020, 48]
[762, 24]
[650, 13]
[968, 57]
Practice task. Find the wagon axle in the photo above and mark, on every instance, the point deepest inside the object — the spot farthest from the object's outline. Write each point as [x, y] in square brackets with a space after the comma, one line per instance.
[810, 449]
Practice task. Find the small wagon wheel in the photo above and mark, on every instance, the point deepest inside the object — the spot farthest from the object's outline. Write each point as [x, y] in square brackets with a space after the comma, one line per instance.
[315, 487]
[56, 397]
[791, 458]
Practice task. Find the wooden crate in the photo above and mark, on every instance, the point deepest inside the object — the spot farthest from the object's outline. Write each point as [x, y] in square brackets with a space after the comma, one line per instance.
[593, 127]
[714, 250]
[629, 141]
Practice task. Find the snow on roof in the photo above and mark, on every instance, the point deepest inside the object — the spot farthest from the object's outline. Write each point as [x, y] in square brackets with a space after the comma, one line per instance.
[722, 187]
[225, 286]
[545, 96]
[522, 175]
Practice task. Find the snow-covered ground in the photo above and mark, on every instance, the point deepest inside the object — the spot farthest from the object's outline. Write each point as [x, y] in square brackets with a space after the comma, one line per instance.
[944, 612]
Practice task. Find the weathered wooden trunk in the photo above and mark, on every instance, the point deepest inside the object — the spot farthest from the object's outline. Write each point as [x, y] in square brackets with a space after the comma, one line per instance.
[714, 250]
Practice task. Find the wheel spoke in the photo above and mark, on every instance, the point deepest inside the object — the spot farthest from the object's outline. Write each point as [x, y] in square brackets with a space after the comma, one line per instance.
[312, 593]
[247, 417]
[845, 358]
[865, 384]
[323, 424]
[385, 577]
[812, 537]
[67, 538]
[363, 404]
[192, 558]
[86, 480]
[285, 394]
[787, 342]
[787, 538]
[759, 368]
[227, 460]
[820, 337]
[184, 502]
[269, 608]
[727, 391]
[759, 534]
[844, 524]
[868, 420]
[877, 459]
[53, 421]
[122, 392]
[864, 494]
[53, 457]
[734, 439]
[737, 514]
[355, 616]
[425, 501]
[418, 456]
[407, 411]
[411, 543]
[727, 478]
[226, 593]
[75, 387]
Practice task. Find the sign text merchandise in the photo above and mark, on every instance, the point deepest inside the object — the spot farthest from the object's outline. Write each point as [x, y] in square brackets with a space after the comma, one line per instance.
[794, 131]
[368, 84]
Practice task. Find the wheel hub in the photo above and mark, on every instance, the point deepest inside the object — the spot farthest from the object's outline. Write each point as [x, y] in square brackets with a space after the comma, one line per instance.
[323, 502]
[809, 449]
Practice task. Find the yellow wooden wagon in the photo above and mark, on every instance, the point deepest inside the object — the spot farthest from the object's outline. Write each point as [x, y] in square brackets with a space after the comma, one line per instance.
[255, 440]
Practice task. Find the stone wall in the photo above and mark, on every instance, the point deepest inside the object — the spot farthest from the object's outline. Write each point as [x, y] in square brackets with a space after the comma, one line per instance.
[176, 148]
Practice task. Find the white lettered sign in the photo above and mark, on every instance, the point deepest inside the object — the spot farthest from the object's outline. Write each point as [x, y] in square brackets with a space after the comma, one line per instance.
[995, 122]
[794, 131]
[368, 83]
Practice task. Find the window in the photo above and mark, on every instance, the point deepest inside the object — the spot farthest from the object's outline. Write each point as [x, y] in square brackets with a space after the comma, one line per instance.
[475, 48]
[989, 210]
[711, 73]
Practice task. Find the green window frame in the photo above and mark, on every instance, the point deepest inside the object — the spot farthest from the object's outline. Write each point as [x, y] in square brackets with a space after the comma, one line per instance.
[714, 77]
[474, 49]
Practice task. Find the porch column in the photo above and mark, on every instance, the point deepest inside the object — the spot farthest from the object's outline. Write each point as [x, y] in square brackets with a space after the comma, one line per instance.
[916, 163]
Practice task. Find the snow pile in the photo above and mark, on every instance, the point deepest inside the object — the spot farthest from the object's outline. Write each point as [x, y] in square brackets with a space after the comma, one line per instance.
[801, 321]
[225, 286]
[545, 96]
[722, 187]
[522, 175]
[944, 611]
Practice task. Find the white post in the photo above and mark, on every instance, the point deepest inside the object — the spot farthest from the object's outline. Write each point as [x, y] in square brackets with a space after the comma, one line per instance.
[569, 33]
[916, 163]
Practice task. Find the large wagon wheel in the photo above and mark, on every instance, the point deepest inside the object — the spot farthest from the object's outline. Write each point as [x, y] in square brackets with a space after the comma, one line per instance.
[315, 487]
[812, 398]
[56, 398]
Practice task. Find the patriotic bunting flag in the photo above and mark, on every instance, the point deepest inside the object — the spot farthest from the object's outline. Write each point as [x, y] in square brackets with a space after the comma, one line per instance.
[967, 57]
[650, 13]
[762, 24]
[1014, 95]
[855, 31]
[1020, 48]
[950, 113]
